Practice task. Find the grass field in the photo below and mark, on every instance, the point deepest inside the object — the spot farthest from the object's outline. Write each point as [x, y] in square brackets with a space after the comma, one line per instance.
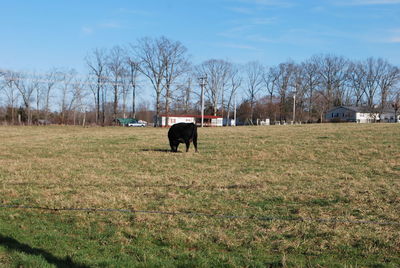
[332, 172]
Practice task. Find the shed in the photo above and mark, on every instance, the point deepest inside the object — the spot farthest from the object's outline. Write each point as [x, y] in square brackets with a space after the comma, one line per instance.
[209, 120]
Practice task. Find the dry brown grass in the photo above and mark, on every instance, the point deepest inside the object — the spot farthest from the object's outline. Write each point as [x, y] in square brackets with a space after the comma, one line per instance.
[343, 171]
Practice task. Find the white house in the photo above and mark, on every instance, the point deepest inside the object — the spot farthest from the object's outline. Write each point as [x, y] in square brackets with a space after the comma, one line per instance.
[351, 114]
[359, 115]
[388, 115]
[209, 120]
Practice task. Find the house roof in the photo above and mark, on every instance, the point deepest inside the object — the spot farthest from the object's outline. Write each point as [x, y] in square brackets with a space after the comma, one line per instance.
[388, 109]
[363, 109]
[357, 109]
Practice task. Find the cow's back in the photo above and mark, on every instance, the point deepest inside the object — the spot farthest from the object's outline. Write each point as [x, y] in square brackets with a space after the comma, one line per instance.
[182, 131]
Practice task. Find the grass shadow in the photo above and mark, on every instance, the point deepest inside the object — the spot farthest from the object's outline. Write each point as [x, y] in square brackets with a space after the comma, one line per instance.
[158, 150]
[13, 244]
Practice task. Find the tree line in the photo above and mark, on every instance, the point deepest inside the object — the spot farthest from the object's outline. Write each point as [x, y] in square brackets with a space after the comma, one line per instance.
[116, 77]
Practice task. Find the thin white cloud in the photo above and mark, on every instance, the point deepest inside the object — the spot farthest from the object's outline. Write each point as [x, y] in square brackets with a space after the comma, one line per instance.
[134, 12]
[366, 2]
[236, 46]
[236, 31]
[318, 9]
[383, 36]
[87, 30]
[260, 39]
[110, 25]
[395, 39]
[242, 10]
[245, 26]
[394, 36]
[299, 36]
[270, 3]
[263, 21]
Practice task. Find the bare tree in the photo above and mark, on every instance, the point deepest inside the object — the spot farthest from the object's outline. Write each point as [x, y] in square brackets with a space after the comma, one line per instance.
[2, 84]
[66, 80]
[333, 72]
[396, 103]
[357, 81]
[116, 65]
[175, 63]
[234, 83]
[39, 96]
[125, 87]
[253, 84]
[373, 69]
[217, 72]
[182, 100]
[186, 96]
[76, 101]
[97, 66]
[300, 89]
[270, 79]
[133, 70]
[388, 79]
[320, 104]
[26, 85]
[284, 74]
[311, 78]
[51, 80]
[92, 86]
[150, 55]
[9, 89]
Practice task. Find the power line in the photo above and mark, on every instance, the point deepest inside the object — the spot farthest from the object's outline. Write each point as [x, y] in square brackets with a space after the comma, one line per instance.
[196, 214]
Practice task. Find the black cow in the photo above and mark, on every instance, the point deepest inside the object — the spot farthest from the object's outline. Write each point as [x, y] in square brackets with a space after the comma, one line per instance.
[182, 133]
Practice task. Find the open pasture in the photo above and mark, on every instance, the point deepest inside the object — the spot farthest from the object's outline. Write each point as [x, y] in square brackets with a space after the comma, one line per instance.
[330, 175]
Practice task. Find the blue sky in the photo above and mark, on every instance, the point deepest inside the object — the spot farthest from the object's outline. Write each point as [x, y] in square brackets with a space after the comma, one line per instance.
[39, 35]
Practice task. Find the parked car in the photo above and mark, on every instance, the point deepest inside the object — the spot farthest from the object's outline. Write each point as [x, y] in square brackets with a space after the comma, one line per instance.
[136, 123]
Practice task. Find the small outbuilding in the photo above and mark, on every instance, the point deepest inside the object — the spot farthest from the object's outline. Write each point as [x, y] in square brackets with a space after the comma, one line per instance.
[209, 120]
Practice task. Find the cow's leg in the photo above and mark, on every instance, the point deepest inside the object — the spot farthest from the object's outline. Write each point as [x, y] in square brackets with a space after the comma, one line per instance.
[187, 145]
[174, 146]
[195, 143]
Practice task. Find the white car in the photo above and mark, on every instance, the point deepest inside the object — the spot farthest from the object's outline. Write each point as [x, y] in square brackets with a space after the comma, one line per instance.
[136, 123]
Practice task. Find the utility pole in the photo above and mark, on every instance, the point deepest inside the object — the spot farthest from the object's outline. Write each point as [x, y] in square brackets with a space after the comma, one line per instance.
[133, 100]
[234, 111]
[202, 82]
[294, 107]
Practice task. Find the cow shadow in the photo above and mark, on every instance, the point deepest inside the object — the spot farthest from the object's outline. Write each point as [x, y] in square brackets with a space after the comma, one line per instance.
[159, 150]
[12, 244]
